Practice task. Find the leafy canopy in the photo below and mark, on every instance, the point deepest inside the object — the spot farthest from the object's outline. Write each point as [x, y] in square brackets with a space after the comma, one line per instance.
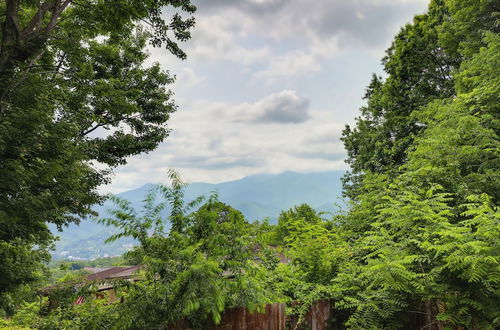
[76, 100]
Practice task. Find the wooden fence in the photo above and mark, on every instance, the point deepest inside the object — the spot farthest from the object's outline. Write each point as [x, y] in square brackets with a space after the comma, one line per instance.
[273, 318]
[316, 318]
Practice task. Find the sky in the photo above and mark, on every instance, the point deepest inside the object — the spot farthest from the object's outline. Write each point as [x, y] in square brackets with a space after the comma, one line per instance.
[268, 87]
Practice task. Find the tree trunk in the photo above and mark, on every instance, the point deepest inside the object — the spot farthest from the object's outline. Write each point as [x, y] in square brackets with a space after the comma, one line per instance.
[429, 316]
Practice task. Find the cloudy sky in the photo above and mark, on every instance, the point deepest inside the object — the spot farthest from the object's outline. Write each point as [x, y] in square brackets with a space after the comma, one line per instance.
[268, 87]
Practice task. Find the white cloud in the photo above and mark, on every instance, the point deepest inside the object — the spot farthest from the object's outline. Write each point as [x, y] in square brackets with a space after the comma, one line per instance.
[259, 31]
[284, 107]
[321, 19]
[297, 63]
[211, 148]
[288, 65]
[188, 78]
[216, 38]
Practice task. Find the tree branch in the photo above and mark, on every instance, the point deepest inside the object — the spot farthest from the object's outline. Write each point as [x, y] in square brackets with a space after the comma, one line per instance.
[36, 21]
[62, 58]
[11, 33]
[56, 13]
[12, 19]
[110, 122]
[90, 130]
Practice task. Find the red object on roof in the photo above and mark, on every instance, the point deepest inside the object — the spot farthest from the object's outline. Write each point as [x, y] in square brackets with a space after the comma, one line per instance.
[80, 300]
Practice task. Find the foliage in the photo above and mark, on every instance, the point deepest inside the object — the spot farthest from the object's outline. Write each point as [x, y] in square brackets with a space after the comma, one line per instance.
[418, 71]
[417, 258]
[418, 248]
[203, 265]
[75, 101]
[21, 265]
[426, 248]
[420, 67]
[288, 221]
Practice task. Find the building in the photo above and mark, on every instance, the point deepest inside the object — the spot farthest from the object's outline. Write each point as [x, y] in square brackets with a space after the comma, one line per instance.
[100, 283]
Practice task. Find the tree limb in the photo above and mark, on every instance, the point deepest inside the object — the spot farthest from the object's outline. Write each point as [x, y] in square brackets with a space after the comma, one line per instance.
[36, 21]
[12, 19]
[11, 32]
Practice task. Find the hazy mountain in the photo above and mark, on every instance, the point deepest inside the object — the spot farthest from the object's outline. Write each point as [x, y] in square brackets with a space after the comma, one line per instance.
[256, 196]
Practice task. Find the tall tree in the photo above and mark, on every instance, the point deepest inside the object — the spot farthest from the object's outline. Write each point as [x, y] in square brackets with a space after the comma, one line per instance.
[426, 240]
[419, 67]
[76, 99]
[425, 220]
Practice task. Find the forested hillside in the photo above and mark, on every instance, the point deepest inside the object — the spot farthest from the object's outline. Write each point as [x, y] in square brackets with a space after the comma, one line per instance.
[418, 247]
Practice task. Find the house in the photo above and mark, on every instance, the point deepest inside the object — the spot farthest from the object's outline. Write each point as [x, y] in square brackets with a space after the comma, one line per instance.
[105, 278]
[101, 283]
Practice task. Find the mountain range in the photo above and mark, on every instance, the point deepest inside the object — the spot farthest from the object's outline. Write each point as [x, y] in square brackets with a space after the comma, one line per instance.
[257, 197]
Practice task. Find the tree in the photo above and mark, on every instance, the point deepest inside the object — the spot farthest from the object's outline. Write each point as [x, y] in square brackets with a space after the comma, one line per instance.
[459, 150]
[419, 65]
[21, 265]
[288, 221]
[428, 243]
[420, 266]
[203, 265]
[418, 71]
[30, 26]
[75, 101]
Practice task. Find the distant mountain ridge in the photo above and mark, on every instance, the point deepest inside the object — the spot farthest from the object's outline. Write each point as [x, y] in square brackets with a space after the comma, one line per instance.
[257, 197]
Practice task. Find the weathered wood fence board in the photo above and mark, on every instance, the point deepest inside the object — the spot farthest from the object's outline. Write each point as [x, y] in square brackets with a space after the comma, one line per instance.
[318, 315]
[273, 318]
[316, 318]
